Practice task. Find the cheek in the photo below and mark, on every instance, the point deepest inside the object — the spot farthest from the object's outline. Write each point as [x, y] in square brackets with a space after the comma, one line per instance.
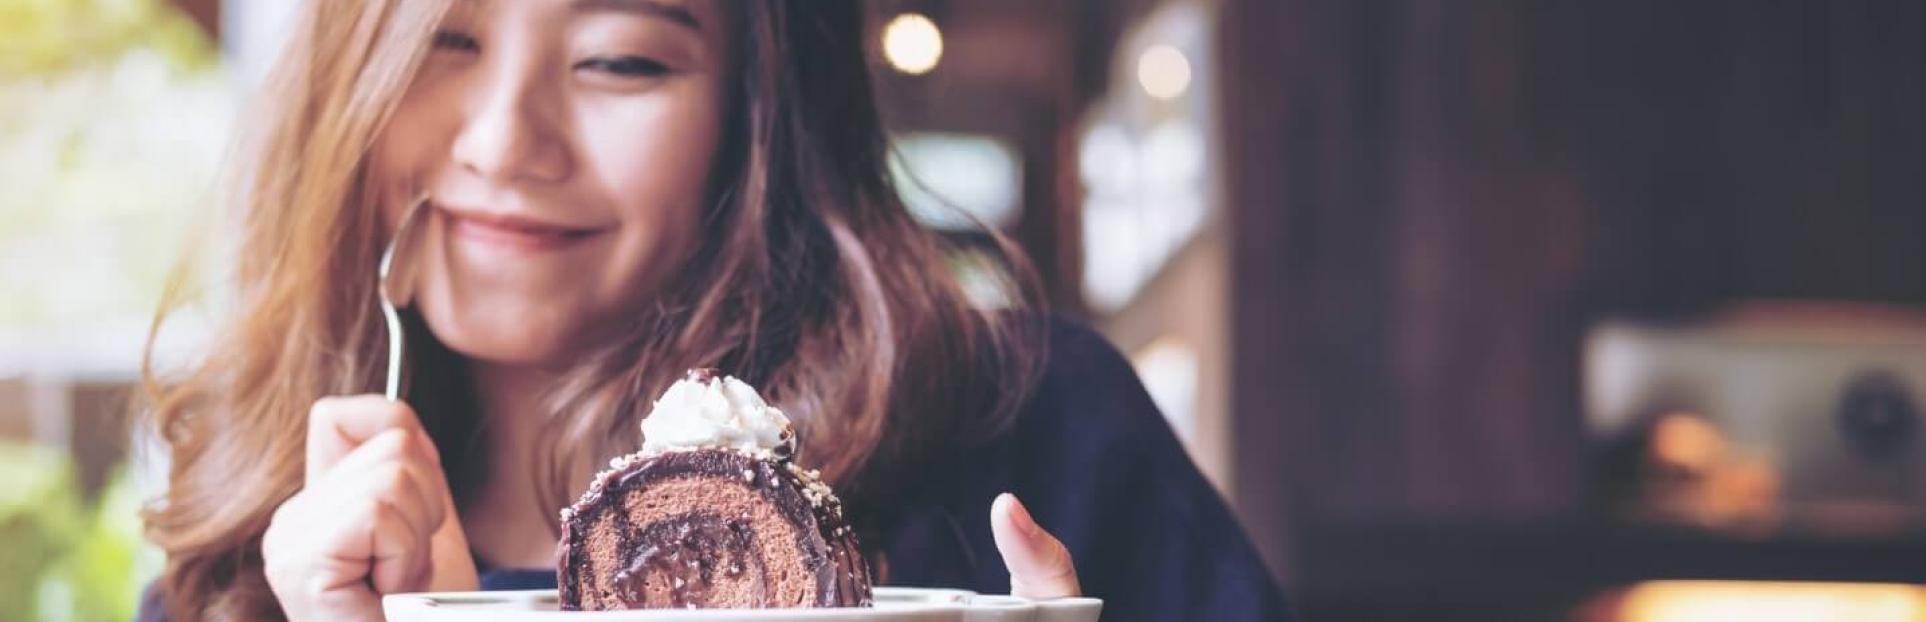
[653, 167]
[411, 148]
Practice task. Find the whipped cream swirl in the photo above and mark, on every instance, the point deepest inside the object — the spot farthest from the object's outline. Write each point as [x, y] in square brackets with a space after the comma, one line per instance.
[710, 410]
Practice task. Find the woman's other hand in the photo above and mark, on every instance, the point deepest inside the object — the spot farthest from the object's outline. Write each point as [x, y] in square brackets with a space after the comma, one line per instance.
[375, 517]
[1040, 566]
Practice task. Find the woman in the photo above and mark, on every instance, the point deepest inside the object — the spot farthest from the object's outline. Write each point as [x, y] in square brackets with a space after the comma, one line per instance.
[620, 190]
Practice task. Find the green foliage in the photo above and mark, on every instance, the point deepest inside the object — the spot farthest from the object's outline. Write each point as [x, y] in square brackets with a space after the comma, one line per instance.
[40, 519]
[66, 562]
[40, 37]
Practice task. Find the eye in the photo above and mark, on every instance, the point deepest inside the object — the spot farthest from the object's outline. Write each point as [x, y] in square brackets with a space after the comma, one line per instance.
[625, 66]
[452, 41]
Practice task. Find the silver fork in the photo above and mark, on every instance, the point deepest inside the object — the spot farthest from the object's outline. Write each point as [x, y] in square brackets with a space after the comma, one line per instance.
[396, 287]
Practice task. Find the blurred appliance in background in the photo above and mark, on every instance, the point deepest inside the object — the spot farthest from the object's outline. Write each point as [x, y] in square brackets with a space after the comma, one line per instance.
[1768, 417]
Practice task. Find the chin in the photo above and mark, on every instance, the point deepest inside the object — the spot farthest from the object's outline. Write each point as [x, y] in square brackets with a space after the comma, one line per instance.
[501, 338]
[515, 352]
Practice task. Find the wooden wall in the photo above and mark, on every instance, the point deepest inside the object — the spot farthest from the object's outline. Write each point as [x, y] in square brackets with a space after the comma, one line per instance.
[1430, 200]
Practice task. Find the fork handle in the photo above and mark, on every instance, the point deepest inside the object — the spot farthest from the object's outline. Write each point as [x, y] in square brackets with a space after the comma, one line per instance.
[395, 339]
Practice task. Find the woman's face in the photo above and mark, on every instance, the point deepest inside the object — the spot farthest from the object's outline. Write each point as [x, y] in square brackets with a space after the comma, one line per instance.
[565, 148]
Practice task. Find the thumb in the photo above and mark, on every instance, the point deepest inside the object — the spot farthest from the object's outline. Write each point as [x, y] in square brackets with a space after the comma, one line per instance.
[1040, 567]
[454, 567]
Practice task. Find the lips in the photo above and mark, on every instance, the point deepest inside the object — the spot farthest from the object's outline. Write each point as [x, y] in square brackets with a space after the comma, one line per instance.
[514, 231]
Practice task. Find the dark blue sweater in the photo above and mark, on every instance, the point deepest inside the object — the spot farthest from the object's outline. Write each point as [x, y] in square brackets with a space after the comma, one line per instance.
[1098, 466]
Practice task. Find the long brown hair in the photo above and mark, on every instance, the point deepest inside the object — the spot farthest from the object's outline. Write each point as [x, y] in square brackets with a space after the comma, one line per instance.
[810, 281]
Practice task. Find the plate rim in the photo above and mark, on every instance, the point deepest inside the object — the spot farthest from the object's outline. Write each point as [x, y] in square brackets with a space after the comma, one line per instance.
[940, 599]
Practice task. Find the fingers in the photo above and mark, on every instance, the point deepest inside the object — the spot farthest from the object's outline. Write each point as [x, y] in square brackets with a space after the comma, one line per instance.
[394, 465]
[397, 460]
[375, 516]
[400, 550]
[369, 540]
[337, 425]
[371, 517]
[454, 566]
[1040, 566]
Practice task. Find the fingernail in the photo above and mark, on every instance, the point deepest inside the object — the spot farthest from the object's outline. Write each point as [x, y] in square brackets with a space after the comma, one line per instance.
[1024, 522]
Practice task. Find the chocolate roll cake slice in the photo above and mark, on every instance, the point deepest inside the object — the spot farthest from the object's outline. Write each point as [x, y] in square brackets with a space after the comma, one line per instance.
[711, 513]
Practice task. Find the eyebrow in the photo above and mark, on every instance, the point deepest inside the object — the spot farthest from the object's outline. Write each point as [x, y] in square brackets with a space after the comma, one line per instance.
[654, 8]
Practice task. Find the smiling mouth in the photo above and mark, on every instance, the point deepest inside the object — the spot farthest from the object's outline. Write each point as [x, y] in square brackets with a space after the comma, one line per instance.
[514, 232]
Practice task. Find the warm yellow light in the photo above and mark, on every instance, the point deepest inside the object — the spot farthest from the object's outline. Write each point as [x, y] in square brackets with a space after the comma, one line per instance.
[912, 44]
[1753, 601]
[1163, 71]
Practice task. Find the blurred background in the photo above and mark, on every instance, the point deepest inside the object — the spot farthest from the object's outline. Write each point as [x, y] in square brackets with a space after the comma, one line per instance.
[1472, 310]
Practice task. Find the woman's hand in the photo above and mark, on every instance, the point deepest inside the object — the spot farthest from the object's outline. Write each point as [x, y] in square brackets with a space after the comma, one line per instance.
[1040, 567]
[375, 517]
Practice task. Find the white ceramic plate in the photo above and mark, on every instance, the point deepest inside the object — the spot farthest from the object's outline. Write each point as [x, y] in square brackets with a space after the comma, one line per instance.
[893, 604]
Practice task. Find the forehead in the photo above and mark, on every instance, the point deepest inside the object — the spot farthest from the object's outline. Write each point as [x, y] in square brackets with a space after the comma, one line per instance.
[696, 15]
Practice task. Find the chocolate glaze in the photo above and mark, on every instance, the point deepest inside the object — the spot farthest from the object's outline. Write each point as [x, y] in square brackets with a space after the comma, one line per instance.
[825, 545]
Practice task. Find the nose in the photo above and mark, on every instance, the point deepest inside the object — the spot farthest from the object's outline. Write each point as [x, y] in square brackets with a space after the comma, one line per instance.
[511, 132]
